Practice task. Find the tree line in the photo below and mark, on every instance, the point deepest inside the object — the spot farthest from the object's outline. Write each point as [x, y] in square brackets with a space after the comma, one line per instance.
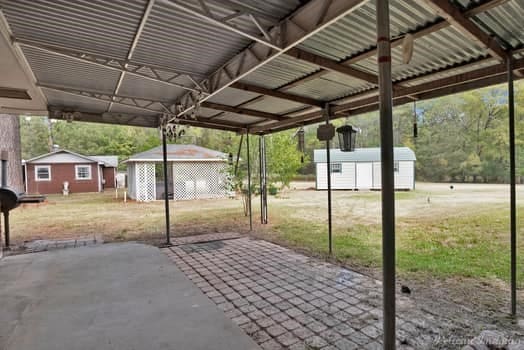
[460, 138]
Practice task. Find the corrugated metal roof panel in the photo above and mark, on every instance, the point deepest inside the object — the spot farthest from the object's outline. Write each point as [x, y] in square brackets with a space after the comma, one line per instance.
[459, 70]
[105, 27]
[193, 44]
[357, 32]
[149, 89]
[330, 86]
[441, 49]
[362, 155]
[56, 98]
[64, 71]
[274, 105]
[179, 152]
[118, 108]
[504, 20]
[279, 72]
[238, 118]
[233, 97]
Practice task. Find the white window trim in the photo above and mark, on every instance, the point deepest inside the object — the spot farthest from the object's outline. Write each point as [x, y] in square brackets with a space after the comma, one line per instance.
[48, 167]
[83, 166]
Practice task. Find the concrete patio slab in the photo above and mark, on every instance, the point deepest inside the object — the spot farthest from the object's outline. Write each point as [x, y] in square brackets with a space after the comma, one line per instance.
[113, 296]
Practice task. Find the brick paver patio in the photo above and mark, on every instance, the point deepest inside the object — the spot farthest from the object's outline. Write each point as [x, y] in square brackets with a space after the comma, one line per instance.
[285, 300]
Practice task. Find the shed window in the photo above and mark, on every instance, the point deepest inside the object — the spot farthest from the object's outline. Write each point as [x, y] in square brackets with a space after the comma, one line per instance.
[83, 172]
[395, 167]
[336, 168]
[43, 173]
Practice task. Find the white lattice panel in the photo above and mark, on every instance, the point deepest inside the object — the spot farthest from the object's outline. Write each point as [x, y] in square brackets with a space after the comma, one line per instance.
[145, 182]
[198, 180]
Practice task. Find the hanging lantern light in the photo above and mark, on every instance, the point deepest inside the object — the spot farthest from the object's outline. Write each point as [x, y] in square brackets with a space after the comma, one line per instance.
[347, 136]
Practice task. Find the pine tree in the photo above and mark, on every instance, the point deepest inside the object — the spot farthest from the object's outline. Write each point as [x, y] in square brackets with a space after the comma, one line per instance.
[10, 142]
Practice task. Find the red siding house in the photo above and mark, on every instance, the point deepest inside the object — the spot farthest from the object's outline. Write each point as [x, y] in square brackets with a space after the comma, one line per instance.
[46, 174]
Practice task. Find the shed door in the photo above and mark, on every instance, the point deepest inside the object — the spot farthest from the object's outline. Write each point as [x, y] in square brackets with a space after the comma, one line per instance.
[364, 175]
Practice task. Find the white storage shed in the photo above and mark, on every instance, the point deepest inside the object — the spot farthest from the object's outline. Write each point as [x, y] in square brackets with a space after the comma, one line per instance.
[194, 172]
[360, 170]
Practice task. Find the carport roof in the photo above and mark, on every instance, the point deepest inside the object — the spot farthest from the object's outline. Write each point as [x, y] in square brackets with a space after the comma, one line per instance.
[257, 66]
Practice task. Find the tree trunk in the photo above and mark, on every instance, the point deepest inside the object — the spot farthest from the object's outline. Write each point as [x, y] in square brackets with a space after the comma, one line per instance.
[10, 142]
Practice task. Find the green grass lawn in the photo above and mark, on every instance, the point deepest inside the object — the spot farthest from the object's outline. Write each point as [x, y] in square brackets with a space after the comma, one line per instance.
[457, 234]
[472, 245]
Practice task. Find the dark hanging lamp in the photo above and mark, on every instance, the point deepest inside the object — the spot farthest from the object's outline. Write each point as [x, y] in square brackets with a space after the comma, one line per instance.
[347, 136]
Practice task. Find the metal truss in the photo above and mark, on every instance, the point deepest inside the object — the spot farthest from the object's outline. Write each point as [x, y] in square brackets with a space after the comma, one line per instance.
[158, 74]
[162, 107]
[207, 11]
[72, 115]
[148, 105]
[305, 22]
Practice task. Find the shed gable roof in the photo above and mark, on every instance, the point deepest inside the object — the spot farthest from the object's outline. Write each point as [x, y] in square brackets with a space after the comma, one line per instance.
[363, 155]
[179, 152]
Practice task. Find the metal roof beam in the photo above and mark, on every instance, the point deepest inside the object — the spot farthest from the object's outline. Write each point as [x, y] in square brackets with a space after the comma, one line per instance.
[143, 21]
[62, 113]
[462, 82]
[128, 101]
[456, 18]
[306, 21]
[243, 111]
[154, 73]
[57, 112]
[483, 7]
[277, 94]
[331, 65]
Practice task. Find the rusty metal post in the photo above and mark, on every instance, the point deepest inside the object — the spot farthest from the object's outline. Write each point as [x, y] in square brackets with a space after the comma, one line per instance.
[327, 111]
[388, 184]
[513, 196]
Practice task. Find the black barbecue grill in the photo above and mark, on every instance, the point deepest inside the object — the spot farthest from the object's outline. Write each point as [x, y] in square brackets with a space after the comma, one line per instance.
[10, 199]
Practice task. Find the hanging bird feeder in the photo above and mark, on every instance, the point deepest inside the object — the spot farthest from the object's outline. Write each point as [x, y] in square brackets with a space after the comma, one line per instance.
[347, 136]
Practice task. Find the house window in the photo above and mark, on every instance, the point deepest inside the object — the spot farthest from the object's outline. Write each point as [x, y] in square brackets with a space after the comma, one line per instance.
[83, 172]
[395, 167]
[43, 173]
[336, 168]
